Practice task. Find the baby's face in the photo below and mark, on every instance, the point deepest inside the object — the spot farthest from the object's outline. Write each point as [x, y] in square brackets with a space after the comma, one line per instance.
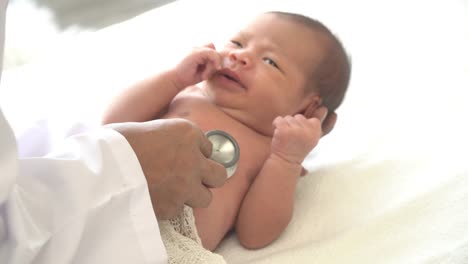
[265, 71]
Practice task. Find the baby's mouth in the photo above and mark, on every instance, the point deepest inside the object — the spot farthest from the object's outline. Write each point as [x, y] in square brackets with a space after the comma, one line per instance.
[230, 75]
[230, 78]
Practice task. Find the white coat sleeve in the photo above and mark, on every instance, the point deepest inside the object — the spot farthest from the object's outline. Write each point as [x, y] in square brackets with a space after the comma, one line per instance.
[87, 202]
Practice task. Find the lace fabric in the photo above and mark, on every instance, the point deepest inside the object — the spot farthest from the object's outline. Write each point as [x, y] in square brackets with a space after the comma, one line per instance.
[183, 245]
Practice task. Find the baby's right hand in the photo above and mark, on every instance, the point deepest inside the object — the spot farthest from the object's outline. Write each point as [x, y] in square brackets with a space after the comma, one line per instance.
[199, 65]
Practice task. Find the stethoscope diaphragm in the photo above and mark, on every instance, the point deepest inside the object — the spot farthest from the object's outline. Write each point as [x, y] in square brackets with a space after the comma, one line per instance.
[225, 150]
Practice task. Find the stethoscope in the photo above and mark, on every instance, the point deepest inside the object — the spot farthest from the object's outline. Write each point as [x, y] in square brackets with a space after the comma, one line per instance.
[225, 150]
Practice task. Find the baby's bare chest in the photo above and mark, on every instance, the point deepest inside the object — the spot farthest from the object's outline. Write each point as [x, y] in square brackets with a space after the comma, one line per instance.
[254, 148]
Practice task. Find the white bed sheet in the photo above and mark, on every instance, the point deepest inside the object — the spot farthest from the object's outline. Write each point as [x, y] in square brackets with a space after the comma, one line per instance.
[388, 185]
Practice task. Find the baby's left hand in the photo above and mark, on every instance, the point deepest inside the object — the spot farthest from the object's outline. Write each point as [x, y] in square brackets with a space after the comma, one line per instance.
[295, 136]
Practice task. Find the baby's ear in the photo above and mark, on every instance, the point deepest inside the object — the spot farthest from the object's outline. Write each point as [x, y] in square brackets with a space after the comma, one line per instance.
[309, 105]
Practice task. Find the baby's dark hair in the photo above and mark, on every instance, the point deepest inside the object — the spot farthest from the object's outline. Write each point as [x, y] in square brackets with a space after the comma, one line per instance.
[331, 78]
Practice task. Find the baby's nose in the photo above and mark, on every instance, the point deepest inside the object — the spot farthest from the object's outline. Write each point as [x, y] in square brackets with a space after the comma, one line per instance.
[240, 58]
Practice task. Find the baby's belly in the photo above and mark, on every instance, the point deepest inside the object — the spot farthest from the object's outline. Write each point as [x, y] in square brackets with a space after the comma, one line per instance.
[215, 221]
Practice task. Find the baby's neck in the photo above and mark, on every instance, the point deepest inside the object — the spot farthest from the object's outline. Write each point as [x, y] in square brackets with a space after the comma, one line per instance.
[241, 116]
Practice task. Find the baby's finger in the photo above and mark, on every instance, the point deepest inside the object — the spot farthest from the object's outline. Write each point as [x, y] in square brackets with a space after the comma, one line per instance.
[208, 71]
[278, 121]
[329, 123]
[213, 58]
[293, 122]
[210, 45]
[320, 113]
[301, 119]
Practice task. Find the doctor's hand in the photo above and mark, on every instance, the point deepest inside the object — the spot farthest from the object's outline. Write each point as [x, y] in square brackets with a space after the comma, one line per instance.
[174, 155]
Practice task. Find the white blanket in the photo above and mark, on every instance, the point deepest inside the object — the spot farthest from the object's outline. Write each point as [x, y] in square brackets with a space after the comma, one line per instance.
[388, 185]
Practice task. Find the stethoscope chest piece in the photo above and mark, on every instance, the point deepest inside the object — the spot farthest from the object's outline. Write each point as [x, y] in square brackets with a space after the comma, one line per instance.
[225, 150]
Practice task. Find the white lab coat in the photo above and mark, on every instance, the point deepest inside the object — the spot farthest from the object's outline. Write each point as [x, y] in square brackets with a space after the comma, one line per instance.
[86, 202]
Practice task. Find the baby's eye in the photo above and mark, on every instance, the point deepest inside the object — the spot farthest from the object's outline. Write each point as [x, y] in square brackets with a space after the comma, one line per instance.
[237, 43]
[271, 62]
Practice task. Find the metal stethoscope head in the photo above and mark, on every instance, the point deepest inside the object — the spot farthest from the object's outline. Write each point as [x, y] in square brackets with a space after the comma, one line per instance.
[225, 150]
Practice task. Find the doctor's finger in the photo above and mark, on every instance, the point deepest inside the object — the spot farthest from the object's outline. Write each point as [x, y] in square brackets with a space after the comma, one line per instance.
[201, 197]
[214, 174]
[205, 145]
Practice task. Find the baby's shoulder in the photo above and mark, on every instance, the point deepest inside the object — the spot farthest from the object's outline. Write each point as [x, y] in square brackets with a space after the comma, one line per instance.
[193, 91]
[192, 104]
[191, 94]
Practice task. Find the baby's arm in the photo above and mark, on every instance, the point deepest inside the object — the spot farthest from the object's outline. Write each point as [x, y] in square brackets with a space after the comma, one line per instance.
[268, 205]
[149, 98]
